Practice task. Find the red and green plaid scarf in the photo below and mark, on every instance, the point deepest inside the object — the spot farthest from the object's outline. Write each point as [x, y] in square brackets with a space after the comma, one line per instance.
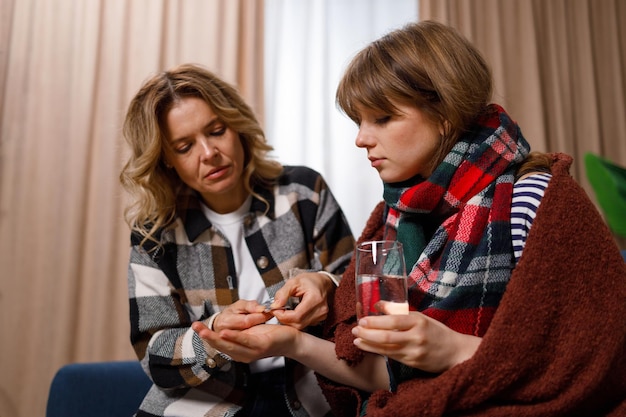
[455, 226]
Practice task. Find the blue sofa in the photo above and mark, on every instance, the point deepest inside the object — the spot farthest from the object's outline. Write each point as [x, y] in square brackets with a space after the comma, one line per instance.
[98, 389]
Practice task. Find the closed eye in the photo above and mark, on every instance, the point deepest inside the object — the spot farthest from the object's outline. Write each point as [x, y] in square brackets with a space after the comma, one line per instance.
[182, 147]
[382, 120]
[218, 130]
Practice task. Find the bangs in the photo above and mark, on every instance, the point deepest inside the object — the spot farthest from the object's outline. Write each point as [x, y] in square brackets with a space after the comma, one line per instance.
[370, 83]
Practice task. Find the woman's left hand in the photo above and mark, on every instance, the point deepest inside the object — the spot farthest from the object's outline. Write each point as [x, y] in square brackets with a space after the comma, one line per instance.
[415, 340]
[313, 289]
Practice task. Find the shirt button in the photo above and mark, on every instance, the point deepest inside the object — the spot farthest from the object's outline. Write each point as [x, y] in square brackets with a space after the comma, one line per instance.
[262, 262]
[296, 405]
[211, 363]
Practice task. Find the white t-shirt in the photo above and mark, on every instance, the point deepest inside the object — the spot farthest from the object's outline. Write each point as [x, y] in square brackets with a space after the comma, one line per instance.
[250, 285]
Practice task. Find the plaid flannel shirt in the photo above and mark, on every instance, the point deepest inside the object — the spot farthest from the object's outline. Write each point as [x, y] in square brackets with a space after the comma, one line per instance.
[192, 275]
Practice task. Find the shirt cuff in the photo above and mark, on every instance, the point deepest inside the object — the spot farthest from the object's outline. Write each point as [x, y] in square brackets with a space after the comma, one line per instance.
[209, 323]
[220, 358]
[331, 276]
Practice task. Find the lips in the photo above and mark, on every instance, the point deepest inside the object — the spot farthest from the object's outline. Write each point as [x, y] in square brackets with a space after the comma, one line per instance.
[217, 173]
[375, 161]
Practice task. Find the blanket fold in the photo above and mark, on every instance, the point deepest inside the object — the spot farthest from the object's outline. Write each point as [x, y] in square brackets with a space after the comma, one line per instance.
[557, 343]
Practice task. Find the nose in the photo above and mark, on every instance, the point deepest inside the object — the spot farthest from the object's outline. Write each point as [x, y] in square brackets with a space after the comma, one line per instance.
[363, 138]
[208, 150]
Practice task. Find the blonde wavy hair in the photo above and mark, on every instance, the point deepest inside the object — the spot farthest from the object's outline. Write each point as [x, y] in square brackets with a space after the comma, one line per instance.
[426, 64]
[154, 188]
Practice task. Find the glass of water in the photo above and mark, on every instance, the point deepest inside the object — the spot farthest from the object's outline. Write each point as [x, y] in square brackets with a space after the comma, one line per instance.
[380, 276]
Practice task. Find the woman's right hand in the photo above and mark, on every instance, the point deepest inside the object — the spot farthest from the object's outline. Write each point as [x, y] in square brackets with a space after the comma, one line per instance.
[313, 289]
[250, 344]
[416, 340]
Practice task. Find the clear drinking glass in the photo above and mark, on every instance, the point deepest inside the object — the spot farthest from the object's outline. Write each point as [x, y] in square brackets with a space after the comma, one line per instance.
[380, 276]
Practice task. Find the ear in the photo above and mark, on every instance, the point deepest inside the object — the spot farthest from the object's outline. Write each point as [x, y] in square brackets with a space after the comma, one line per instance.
[444, 127]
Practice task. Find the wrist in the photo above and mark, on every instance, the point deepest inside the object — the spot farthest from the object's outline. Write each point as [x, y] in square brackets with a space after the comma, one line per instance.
[297, 347]
[467, 345]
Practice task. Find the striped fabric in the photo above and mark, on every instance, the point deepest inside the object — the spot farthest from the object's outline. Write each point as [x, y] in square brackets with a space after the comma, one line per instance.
[192, 276]
[527, 194]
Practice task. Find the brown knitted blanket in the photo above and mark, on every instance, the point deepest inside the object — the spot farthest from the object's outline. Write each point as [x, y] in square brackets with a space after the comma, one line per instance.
[557, 344]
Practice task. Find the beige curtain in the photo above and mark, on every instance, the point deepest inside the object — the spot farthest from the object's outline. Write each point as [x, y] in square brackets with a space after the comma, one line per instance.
[559, 68]
[67, 72]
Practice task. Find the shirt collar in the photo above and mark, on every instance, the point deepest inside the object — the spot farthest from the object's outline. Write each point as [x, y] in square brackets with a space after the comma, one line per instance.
[195, 221]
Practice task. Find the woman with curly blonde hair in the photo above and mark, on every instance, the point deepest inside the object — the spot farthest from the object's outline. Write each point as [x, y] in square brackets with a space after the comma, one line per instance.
[149, 177]
[217, 226]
